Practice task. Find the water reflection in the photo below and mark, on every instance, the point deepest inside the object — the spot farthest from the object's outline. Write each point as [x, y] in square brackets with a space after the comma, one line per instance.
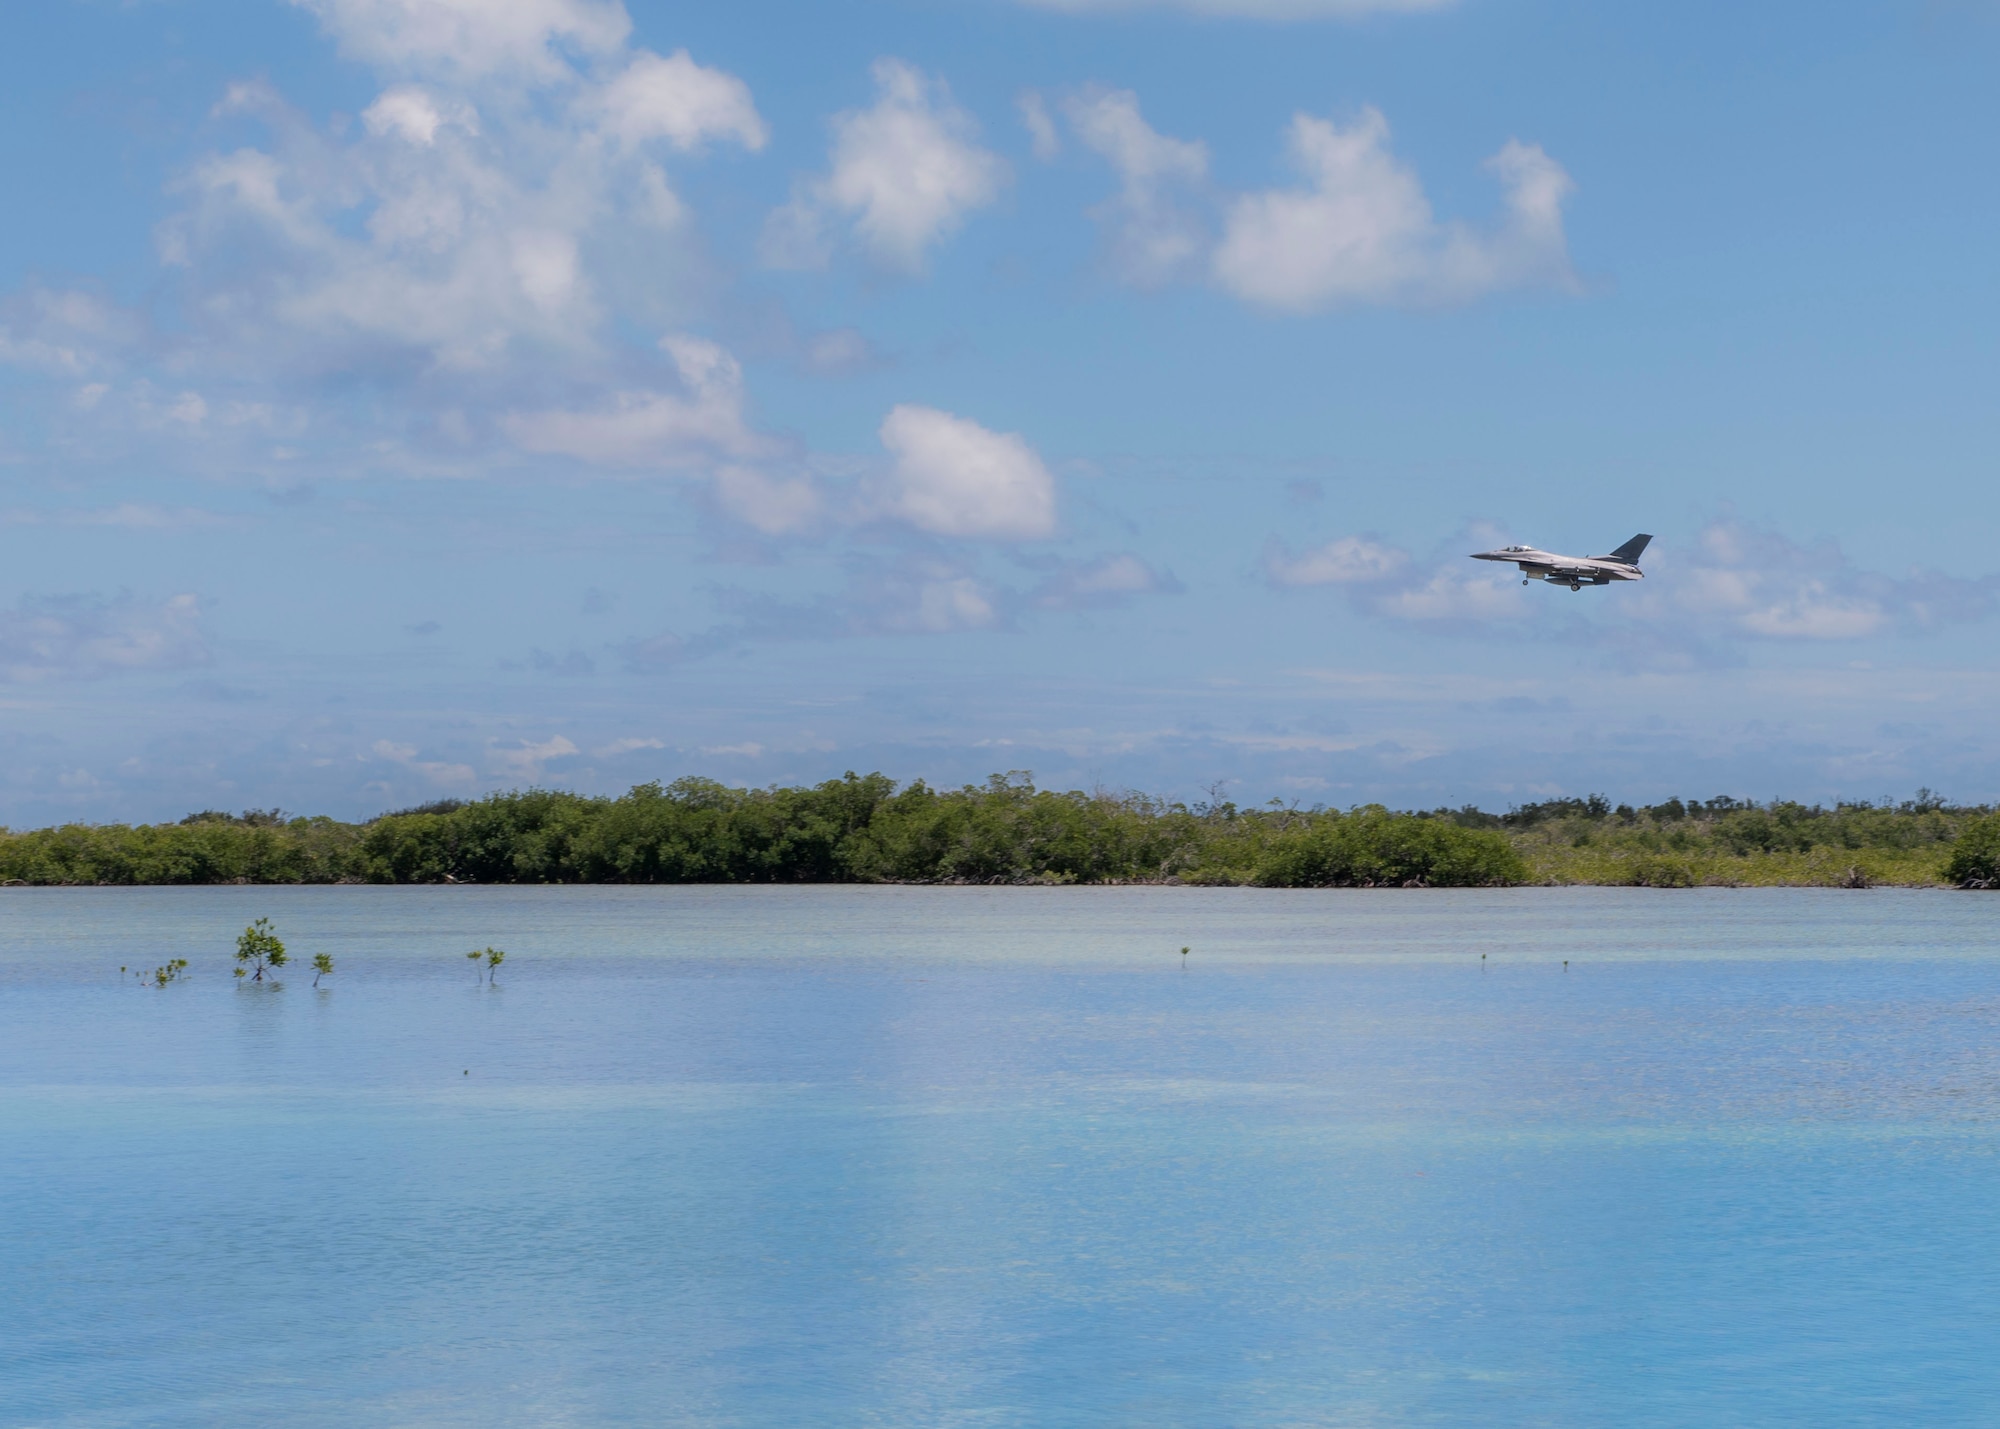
[951, 1156]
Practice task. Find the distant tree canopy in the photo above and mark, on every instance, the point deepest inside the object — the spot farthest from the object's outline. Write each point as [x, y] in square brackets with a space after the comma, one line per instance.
[204, 849]
[1375, 848]
[867, 828]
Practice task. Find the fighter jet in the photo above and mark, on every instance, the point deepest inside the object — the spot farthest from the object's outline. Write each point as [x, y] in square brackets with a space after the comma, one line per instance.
[1576, 572]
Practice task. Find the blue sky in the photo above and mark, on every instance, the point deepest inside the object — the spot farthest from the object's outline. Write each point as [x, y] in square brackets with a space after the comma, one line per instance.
[412, 398]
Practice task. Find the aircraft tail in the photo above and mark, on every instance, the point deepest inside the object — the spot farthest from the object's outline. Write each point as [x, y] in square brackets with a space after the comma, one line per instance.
[1630, 552]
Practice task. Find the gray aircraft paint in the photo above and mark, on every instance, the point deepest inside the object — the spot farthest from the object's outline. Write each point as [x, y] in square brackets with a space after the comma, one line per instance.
[1576, 572]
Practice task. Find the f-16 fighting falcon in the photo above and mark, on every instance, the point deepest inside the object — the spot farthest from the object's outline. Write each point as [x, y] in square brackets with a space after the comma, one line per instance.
[1576, 572]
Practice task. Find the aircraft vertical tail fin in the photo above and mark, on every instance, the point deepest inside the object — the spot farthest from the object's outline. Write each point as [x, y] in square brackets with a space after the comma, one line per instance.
[1630, 552]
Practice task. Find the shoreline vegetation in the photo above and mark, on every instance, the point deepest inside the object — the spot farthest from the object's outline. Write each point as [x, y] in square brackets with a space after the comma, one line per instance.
[868, 829]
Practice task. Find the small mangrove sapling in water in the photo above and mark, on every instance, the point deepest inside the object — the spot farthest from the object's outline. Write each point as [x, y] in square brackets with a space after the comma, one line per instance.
[494, 957]
[169, 971]
[257, 950]
[322, 965]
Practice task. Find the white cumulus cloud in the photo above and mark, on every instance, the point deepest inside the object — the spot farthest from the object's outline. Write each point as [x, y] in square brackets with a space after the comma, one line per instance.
[1358, 228]
[480, 218]
[675, 99]
[1153, 231]
[416, 115]
[904, 173]
[953, 477]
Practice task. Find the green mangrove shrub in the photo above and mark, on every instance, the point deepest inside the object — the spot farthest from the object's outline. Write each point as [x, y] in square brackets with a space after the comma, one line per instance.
[1975, 857]
[1650, 870]
[258, 949]
[1373, 848]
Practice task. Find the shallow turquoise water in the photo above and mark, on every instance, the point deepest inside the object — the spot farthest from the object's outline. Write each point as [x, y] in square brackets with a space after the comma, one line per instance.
[998, 1158]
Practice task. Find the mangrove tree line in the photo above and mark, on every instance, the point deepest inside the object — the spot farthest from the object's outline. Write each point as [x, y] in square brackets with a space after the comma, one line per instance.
[868, 829]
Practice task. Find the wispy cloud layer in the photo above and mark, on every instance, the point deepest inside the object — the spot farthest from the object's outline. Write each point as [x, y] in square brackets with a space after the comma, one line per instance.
[939, 591]
[471, 39]
[1761, 585]
[1103, 581]
[81, 637]
[1734, 584]
[65, 334]
[653, 429]
[1153, 226]
[1346, 560]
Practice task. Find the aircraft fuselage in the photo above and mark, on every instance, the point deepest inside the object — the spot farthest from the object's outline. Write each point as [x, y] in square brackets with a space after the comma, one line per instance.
[1576, 572]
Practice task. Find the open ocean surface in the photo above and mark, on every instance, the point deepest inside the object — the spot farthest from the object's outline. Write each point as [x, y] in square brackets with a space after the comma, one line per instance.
[1000, 1157]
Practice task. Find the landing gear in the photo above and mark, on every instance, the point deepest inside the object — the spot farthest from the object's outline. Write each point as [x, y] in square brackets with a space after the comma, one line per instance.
[1576, 585]
[1524, 580]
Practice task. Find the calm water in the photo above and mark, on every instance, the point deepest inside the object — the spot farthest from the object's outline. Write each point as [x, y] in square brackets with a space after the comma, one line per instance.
[1002, 1158]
